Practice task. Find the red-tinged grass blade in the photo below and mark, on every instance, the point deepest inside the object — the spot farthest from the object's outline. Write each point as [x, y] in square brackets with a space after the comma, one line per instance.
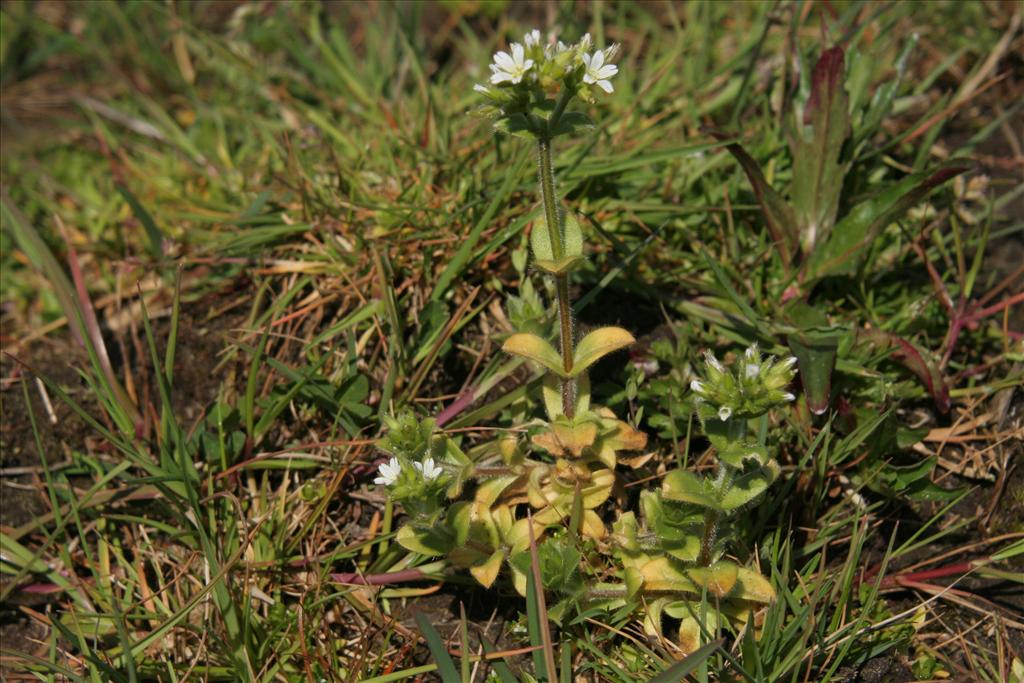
[680, 670]
[445, 664]
[914, 360]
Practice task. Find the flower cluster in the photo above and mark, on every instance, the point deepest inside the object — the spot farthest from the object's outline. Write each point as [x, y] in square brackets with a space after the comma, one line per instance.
[416, 473]
[525, 80]
[751, 388]
[392, 470]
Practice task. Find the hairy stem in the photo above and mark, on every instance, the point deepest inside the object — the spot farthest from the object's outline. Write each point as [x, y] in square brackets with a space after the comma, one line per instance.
[547, 193]
[723, 481]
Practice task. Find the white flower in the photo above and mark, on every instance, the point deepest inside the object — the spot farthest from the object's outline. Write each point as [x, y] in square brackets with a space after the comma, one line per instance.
[697, 387]
[512, 67]
[788, 397]
[751, 370]
[428, 469]
[724, 413]
[532, 39]
[751, 352]
[598, 72]
[389, 472]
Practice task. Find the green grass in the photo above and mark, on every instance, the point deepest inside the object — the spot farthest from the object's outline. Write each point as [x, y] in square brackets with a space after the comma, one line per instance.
[307, 183]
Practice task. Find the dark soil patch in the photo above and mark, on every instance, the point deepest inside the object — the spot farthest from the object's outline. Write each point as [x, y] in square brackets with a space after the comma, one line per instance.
[62, 433]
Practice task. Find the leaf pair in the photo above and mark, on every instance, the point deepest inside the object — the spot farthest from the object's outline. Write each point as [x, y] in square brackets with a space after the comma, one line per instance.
[591, 348]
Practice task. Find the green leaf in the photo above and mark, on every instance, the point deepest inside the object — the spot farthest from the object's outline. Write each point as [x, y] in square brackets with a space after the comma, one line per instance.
[687, 487]
[571, 235]
[816, 146]
[852, 236]
[572, 123]
[445, 664]
[551, 390]
[564, 265]
[431, 541]
[746, 487]
[536, 349]
[517, 125]
[599, 343]
[815, 346]
[737, 453]
[911, 357]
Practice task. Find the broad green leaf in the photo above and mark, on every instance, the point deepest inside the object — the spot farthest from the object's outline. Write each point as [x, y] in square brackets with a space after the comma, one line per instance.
[815, 346]
[517, 125]
[597, 344]
[572, 123]
[430, 542]
[564, 265]
[536, 349]
[571, 236]
[551, 390]
[687, 487]
[746, 487]
[851, 237]
[816, 145]
[737, 453]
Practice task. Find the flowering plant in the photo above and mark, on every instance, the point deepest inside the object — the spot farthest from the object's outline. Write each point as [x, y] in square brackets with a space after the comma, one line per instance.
[483, 509]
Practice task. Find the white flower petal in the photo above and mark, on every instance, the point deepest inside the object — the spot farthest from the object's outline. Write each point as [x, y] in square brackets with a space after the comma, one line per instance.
[697, 387]
[605, 85]
[505, 61]
[724, 413]
[788, 397]
[751, 370]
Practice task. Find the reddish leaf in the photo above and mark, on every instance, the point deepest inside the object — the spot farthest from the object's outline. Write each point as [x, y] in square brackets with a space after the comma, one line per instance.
[913, 359]
[816, 146]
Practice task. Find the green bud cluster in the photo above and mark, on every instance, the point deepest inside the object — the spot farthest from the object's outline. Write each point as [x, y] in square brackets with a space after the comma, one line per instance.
[751, 388]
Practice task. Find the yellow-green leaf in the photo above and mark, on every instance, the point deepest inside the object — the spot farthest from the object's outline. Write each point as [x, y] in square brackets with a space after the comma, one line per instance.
[687, 487]
[536, 349]
[552, 393]
[597, 344]
[719, 579]
[566, 264]
[572, 238]
[752, 586]
[488, 571]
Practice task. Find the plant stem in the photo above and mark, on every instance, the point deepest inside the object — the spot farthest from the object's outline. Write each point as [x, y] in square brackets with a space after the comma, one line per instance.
[547, 194]
[723, 482]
